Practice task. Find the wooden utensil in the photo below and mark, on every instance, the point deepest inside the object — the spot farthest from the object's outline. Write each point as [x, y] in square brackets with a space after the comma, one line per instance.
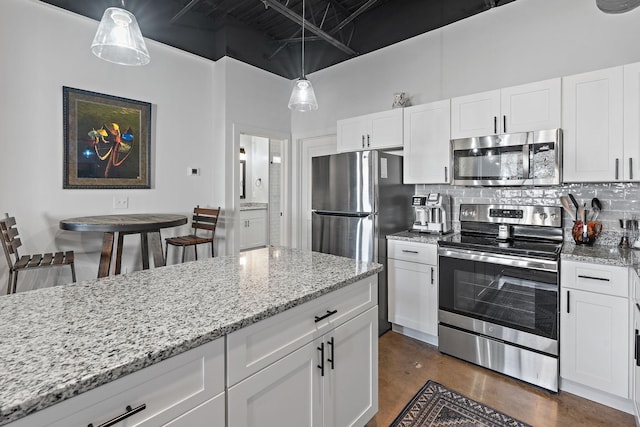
[567, 207]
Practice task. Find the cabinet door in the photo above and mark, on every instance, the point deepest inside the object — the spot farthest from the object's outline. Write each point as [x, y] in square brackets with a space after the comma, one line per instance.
[427, 131]
[594, 336]
[253, 232]
[533, 106]
[351, 372]
[592, 123]
[384, 129]
[413, 295]
[636, 361]
[210, 414]
[475, 115]
[351, 134]
[631, 163]
[288, 390]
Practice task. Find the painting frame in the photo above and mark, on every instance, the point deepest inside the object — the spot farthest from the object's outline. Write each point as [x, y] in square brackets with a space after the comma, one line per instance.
[107, 141]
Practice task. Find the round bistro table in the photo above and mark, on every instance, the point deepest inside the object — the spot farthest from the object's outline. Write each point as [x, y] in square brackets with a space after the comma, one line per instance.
[147, 225]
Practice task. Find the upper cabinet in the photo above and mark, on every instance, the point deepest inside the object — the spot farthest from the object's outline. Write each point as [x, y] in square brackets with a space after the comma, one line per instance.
[528, 107]
[426, 143]
[631, 145]
[592, 123]
[371, 131]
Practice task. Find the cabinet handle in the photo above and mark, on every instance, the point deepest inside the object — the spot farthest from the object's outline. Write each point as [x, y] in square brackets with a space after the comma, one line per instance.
[121, 417]
[617, 167]
[432, 275]
[604, 279]
[330, 360]
[321, 365]
[410, 252]
[630, 168]
[446, 175]
[362, 141]
[637, 352]
[329, 313]
[495, 124]
[368, 140]
[568, 309]
[504, 124]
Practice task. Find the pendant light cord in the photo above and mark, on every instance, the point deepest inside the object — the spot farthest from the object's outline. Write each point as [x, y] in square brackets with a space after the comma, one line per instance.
[303, 76]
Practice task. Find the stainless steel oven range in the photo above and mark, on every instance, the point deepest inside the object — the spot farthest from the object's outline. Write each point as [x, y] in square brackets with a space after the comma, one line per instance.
[498, 290]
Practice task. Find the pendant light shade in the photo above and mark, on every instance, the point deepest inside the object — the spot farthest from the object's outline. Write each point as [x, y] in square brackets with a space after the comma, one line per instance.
[617, 6]
[303, 98]
[119, 39]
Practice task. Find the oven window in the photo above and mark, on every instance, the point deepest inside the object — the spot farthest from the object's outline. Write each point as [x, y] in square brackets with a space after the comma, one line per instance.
[517, 298]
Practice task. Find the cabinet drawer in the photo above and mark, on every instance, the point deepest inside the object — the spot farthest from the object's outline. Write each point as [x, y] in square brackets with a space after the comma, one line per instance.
[168, 389]
[411, 251]
[604, 279]
[257, 346]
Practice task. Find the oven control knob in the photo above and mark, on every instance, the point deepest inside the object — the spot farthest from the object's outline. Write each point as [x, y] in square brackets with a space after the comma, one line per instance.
[543, 215]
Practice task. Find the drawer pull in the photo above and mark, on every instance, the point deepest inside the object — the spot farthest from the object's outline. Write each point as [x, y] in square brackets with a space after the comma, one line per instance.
[406, 251]
[331, 358]
[568, 309]
[121, 417]
[329, 313]
[593, 278]
[637, 348]
[432, 271]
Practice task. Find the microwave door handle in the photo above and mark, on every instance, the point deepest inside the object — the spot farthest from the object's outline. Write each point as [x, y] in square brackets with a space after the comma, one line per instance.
[526, 162]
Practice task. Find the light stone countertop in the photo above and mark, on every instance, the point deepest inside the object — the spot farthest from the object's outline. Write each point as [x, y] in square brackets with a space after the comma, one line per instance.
[253, 206]
[61, 341]
[412, 236]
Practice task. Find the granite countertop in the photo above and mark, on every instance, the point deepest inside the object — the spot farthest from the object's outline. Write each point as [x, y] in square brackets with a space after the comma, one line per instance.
[253, 206]
[412, 236]
[61, 341]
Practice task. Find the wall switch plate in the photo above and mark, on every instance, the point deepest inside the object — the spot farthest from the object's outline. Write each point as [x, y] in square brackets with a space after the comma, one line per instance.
[193, 171]
[120, 202]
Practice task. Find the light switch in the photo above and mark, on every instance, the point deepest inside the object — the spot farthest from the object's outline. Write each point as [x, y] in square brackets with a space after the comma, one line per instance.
[120, 202]
[193, 171]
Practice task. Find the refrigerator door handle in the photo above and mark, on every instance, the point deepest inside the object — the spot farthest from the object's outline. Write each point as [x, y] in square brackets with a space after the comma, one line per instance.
[348, 214]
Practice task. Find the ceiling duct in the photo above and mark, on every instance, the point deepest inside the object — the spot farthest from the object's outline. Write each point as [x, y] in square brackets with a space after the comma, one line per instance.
[617, 6]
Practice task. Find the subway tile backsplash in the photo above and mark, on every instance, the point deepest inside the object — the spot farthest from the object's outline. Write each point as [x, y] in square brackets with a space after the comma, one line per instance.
[619, 200]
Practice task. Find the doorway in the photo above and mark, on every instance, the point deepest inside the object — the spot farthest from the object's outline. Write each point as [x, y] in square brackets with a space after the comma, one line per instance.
[260, 190]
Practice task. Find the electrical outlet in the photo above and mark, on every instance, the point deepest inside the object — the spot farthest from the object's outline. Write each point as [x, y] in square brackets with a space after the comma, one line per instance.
[120, 202]
[193, 171]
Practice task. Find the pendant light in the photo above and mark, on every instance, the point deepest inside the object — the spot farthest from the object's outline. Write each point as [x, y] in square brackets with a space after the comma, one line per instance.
[617, 6]
[119, 39]
[302, 97]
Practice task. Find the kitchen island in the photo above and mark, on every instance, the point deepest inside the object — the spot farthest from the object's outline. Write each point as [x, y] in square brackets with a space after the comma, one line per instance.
[60, 342]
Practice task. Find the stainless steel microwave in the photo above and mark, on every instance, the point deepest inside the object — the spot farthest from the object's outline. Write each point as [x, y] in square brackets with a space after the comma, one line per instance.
[527, 158]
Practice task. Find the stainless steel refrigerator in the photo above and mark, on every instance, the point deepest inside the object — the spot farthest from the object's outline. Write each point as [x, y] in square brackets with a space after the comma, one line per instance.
[358, 199]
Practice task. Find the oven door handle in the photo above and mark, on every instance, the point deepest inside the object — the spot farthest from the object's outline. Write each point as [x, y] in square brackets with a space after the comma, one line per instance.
[509, 260]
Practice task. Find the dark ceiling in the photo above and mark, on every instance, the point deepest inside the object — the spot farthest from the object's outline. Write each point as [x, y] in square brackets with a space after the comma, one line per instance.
[267, 33]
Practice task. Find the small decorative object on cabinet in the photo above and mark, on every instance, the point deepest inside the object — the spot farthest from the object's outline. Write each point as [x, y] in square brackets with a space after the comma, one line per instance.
[400, 100]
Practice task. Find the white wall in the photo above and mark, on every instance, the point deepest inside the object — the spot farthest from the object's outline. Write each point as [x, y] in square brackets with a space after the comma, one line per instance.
[196, 104]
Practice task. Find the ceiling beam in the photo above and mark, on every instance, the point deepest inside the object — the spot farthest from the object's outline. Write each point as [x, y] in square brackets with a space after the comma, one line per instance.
[282, 9]
[353, 16]
[184, 10]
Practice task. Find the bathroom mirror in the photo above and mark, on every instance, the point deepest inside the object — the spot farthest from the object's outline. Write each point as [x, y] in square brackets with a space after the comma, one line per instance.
[243, 174]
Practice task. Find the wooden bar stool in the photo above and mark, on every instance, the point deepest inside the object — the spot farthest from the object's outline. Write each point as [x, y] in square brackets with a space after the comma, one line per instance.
[203, 219]
[10, 244]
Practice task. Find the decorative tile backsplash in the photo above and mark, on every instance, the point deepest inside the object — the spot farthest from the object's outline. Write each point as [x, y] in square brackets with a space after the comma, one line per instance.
[619, 200]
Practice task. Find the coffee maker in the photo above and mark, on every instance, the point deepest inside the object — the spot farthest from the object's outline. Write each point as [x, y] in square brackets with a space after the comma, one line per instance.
[432, 213]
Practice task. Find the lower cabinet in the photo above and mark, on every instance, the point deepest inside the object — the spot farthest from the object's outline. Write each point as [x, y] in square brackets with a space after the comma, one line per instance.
[331, 381]
[413, 286]
[183, 391]
[594, 320]
[253, 228]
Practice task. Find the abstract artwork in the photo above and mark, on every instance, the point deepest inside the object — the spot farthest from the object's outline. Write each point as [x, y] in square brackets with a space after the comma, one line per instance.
[106, 141]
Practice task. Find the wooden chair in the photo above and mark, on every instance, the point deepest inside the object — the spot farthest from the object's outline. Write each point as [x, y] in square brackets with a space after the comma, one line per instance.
[203, 219]
[10, 244]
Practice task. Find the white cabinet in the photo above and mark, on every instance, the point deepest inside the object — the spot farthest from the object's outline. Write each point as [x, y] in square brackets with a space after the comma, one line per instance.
[331, 381]
[631, 150]
[371, 131]
[523, 108]
[635, 307]
[183, 391]
[427, 133]
[594, 335]
[253, 231]
[592, 124]
[413, 285]
[316, 363]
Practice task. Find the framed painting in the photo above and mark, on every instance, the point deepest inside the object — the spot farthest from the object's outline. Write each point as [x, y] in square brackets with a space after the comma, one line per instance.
[106, 141]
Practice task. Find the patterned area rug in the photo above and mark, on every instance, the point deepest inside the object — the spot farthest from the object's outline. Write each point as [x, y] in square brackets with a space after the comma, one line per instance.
[437, 406]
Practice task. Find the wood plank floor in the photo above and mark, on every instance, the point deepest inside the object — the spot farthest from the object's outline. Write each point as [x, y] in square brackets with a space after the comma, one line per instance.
[406, 364]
